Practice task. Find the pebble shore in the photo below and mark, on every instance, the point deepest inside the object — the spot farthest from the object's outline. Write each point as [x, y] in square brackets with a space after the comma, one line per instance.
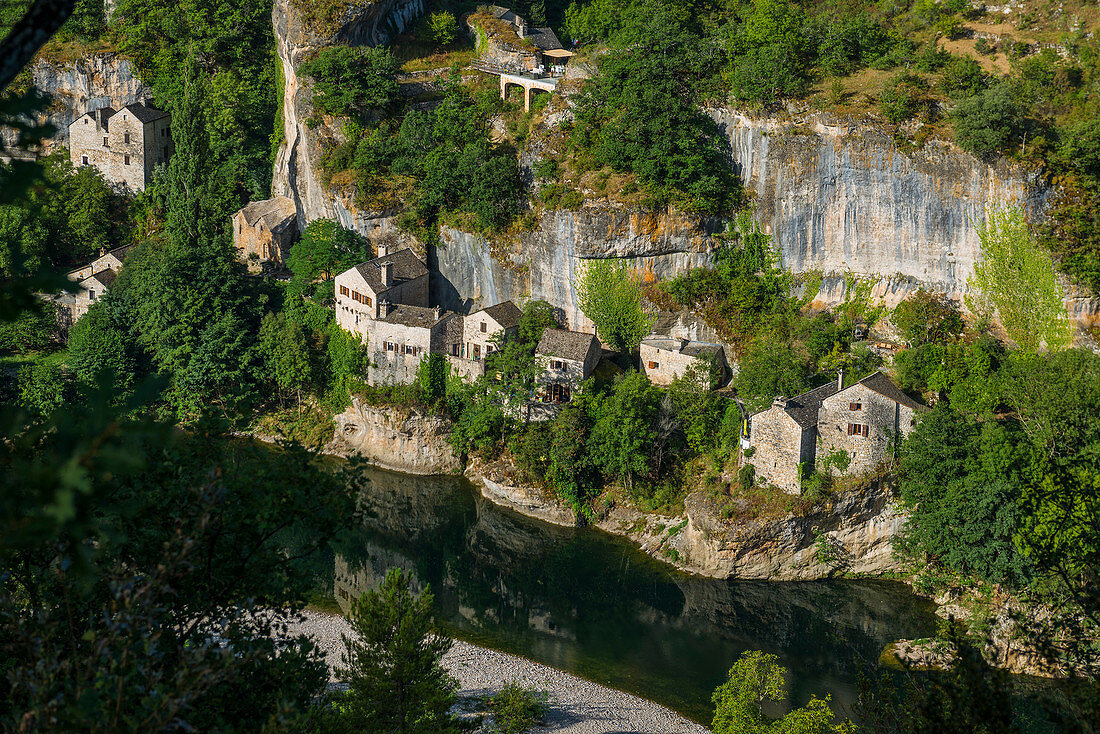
[577, 706]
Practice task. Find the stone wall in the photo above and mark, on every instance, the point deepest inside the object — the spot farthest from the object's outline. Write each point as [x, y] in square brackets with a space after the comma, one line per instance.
[884, 418]
[395, 367]
[779, 444]
[670, 364]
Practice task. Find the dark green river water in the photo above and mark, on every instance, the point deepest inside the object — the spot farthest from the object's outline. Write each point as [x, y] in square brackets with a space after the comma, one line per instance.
[594, 605]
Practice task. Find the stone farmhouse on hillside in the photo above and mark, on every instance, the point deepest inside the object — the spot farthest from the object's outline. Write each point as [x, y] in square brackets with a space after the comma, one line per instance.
[864, 419]
[125, 145]
[95, 279]
[569, 358]
[521, 55]
[263, 232]
[666, 358]
[481, 331]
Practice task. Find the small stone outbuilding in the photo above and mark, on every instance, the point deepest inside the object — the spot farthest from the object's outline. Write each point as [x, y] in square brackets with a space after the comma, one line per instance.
[263, 232]
[664, 359]
[125, 145]
[401, 337]
[568, 358]
[95, 279]
[865, 420]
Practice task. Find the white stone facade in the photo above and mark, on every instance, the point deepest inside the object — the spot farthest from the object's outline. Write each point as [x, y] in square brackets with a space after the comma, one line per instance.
[125, 145]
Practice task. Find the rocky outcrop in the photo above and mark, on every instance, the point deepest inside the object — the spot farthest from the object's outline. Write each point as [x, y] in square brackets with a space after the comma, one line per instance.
[840, 196]
[406, 441]
[297, 172]
[524, 500]
[851, 534]
[94, 81]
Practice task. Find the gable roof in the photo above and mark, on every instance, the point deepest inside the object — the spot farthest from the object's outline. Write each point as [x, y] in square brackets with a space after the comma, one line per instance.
[572, 345]
[544, 38]
[506, 314]
[106, 277]
[883, 385]
[421, 316]
[273, 212]
[406, 267]
[143, 113]
[804, 408]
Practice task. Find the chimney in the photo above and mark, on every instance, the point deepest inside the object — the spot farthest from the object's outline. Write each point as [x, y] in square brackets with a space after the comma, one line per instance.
[387, 273]
[383, 308]
[521, 27]
[383, 249]
[840, 379]
[779, 402]
[438, 313]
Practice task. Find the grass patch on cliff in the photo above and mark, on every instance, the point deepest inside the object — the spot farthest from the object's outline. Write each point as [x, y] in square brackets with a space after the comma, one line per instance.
[310, 425]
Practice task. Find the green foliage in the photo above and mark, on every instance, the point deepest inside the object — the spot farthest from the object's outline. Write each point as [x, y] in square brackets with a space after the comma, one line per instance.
[516, 709]
[443, 27]
[30, 332]
[286, 351]
[990, 121]
[926, 318]
[769, 369]
[326, 249]
[638, 114]
[770, 55]
[103, 342]
[963, 77]
[42, 388]
[609, 293]
[757, 677]
[623, 429]
[561, 196]
[394, 669]
[431, 377]
[353, 81]
[1016, 277]
[902, 97]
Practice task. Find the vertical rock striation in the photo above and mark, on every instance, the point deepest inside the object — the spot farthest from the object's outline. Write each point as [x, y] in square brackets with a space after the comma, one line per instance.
[840, 197]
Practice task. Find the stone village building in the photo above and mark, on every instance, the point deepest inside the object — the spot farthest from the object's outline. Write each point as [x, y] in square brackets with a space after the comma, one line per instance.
[263, 232]
[865, 419]
[481, 331]
[94, 279]
[568, 358]
[125, 145]
[663, 359]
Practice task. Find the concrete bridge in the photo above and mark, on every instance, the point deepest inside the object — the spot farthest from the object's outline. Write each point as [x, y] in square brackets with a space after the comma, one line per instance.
[529, 83]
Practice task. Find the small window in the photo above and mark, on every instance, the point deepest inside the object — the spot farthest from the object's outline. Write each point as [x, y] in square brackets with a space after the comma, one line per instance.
[855, 406]
[654, 366]
[858, 429]
[91, 295]
[556, 364]
[106, 142]
[126, 160]
[367, 300]
[126, 137]
[477, 351]
[83, 160]
[484, 328]
[390, 347]
[343, 290]
[454, 350]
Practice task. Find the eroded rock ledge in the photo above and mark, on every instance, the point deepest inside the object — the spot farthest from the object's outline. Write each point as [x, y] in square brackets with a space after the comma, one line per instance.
[400, 440]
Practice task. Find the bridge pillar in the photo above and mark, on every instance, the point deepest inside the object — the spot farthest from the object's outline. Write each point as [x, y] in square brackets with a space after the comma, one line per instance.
[526, 98]
[503, 86]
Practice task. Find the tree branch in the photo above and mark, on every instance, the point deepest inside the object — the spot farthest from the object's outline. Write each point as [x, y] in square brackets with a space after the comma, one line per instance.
[43, 19]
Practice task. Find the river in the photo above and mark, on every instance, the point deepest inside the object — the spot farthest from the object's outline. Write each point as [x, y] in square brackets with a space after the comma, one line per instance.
[592, 604]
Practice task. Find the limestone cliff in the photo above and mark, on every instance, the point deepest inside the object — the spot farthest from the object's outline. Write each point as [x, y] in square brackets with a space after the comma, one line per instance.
[94, 81]
[296, 174]
[840, 196]
[408, 442]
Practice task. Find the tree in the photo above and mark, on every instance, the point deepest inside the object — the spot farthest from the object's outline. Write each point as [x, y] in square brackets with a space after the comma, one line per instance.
[30, 332]
[98, 343]
[925, 318]
[622, 429]
[287, 354]
[352, 81]
[769, 369]
[1016, 277]
[394, 671]
[609, 293]
[990, 121]
[443, 27]
[769, 55]
[757, 677]
[42, 388]
[326, 248]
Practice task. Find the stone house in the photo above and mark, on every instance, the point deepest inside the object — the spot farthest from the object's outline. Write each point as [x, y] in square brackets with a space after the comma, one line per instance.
[263, 232]
[568, 358]
[508, 42]
[480, 333]
[398, 278]
[400, 338]
[663, 359]
[865, 419]
[125, 145]
[94, 279]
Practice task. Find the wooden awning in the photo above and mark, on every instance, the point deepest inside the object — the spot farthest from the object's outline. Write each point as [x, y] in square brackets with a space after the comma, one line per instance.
[558, 53]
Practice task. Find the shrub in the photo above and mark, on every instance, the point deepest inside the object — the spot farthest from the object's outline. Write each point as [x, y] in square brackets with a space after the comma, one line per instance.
[352, 80]
[516, 709]
[925, 318]
[902, 97]
[560, 196]
[443, 28]
[989, 122]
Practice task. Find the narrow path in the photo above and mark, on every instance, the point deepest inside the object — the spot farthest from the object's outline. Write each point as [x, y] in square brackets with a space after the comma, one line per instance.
[577, 706]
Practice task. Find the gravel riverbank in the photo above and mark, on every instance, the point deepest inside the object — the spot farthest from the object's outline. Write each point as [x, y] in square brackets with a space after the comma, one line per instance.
[577, 706]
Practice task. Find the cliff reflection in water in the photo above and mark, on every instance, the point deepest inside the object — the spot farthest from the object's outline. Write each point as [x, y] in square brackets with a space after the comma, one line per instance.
[592, 604]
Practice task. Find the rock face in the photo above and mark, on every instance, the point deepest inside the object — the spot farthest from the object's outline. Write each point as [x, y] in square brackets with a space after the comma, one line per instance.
[297, 161]
[841, 197]
[853, 534]
[95, 81]
[406, 442]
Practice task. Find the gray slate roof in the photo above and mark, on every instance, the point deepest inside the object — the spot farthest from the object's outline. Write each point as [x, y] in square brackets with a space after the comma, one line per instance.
[572, 345]
[406, 266]
[506, 314]
[804, 408]
[143, 113]
[106, 277]
[421, 316]
[274, 212]
[701, 350]
[544, 38]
